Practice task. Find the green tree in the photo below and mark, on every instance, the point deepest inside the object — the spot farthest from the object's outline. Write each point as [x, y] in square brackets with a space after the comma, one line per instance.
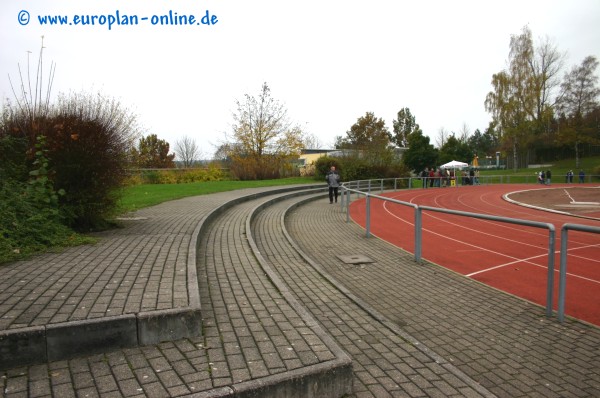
[420, 153]
[153, 152]
[264, 139]
[369, 132]
[578, 99]
[369, 139]
[483, 144]
[404, 125]
[455, 149]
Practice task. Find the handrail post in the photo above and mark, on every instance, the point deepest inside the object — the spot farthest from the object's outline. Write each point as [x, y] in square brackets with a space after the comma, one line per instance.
[348, 207]
[550, 286]
[418, 234]
[368, 215]
[562, 282]
[562, 279]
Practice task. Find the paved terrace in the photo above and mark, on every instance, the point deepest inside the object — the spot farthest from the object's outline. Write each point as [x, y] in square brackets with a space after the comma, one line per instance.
[193, 298]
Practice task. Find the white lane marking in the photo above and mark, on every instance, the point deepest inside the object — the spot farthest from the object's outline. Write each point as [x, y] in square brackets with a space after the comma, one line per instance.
[480, 248]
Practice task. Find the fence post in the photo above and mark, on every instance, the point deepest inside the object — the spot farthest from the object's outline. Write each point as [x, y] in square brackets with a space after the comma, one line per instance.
[368, 214]
[348, 206]
[550, 286]
[418, 234]
[562, 279]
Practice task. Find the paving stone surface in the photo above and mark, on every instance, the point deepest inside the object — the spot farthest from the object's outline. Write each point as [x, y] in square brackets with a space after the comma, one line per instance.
[386, 361]
[273, 306]
[504, 343]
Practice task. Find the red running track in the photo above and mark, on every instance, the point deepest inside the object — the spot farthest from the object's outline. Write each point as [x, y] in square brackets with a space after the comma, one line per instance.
[509, 257]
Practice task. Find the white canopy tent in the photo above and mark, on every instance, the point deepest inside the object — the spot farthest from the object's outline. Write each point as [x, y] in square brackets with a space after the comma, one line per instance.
[455, 164]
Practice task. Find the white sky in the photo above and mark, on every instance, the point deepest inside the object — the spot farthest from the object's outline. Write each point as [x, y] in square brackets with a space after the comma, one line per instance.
[329, 62]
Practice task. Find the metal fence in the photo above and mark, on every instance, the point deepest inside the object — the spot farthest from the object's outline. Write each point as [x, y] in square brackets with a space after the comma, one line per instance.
[366, 187]
[381, 184]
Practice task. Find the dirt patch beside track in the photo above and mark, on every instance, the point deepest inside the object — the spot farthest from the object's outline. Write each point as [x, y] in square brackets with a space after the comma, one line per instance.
[579, 201]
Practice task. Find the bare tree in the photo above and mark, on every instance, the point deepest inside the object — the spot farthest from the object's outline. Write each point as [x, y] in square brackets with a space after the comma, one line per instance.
[579, 98]
[187, 151]
[465, 132]
[311, 141]
[441, 138]
[546, 66]
[579, 89]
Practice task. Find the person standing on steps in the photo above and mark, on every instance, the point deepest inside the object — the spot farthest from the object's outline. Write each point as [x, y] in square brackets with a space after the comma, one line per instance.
[333, 181]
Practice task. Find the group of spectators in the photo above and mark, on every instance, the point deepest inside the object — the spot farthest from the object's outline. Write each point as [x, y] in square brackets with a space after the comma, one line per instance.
[545, 177]
[569, 176]
[439, 177]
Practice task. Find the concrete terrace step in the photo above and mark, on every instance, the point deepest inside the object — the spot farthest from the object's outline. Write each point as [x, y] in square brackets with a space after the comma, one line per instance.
[257, 333]
[300, 360]
[386, 360]
[138, 286]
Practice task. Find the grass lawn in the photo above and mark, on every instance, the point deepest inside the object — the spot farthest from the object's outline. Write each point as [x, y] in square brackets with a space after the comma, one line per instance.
[139, 196]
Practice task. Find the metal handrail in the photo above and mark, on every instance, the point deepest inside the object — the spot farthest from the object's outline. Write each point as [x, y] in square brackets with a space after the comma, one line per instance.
[562, 279]
[346, 192]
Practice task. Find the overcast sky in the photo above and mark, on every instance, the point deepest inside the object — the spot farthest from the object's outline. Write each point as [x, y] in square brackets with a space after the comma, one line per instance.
[329, 62]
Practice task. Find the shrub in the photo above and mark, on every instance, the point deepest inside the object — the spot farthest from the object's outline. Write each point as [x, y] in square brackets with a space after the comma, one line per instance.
[87, 141]
[29, 216]
[176, 176]
[596, 172]
[14, 165]
[323, 165]
[200, 175]
[354, 168]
